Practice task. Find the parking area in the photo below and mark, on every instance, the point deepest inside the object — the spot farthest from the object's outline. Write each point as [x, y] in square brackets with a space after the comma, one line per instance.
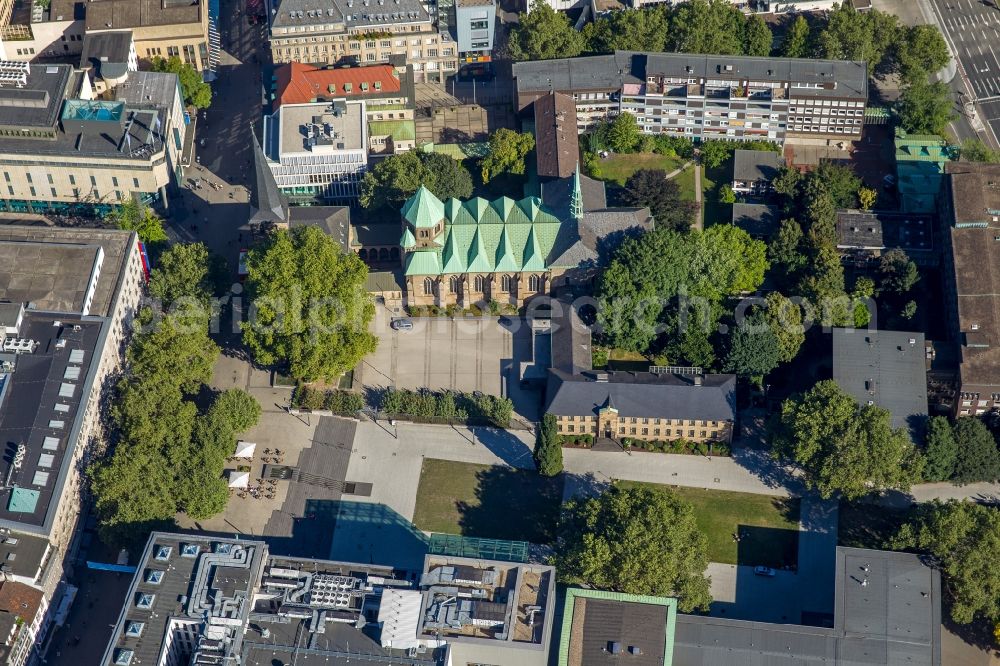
[463, 354]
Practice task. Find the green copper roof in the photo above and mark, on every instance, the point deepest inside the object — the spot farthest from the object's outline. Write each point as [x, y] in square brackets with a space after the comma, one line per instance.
[407, 241]
[423, 210]
[505, 258]
[423, 262]
[488, 237]
[533, 259]
[399, 130]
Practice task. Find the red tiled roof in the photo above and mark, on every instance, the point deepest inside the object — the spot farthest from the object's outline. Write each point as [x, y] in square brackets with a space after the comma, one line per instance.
[20, 599]
[301, 84]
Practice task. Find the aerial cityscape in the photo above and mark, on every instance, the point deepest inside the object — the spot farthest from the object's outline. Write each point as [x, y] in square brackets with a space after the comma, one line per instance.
[500, 332]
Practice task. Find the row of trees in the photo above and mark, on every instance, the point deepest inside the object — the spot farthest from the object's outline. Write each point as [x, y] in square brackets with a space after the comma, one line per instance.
[447, 405]
[396, 178]
[718, 27]
[963, 452]
[336, 401]
[169, 454]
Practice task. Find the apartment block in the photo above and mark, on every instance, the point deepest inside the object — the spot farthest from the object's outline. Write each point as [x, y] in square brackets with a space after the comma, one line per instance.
[187, 29]
[707, 97]
[64, 148]
[317, 153]
[363, 32]
[66, 304]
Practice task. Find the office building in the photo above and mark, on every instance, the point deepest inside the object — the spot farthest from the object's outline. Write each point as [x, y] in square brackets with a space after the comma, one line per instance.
[318, 153]
[202, 600]
[887, 369]
[31, 30]
[474, 28]
[67, 298]
[706, 97]
[864, 236]
[387, 92]
[163, 28]
[63, 148]
[363, 32]
[971, 218]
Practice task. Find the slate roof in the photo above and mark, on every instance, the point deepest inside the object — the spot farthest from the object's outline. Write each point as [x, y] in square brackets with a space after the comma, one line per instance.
[755, 165]
[643, 394]
[267, 203]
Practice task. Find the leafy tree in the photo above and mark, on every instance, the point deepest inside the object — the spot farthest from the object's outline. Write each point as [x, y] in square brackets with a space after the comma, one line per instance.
[182, 272]
[940, 450]
[707, 26]
[909, 310]
[629, 29]
[823, 283]
[396, 178]
[507, 151]
[920, 52]
[133, 215]
[727, 261]
[758, 38]
[623, 133]
[714, 153]
[784, 318]
[852, 35]
[837, 180]
[692, 347]
[787, 181]
[638, 540]
[754, 350]
[974, 150]
[196, 92]
[897, 274]
[650, 188]
[544, 34]
[726, 195]
[864, 289]
[977, 458]
[867, 197]
[237, 409]
[820, 215]
[309, 305]
[796, 42]
[785, 249]
[548, 450]
[925, 108]
[964, 538]
[842, 447]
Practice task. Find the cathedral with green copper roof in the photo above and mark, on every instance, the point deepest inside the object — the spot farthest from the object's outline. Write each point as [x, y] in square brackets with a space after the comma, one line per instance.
[465, 252]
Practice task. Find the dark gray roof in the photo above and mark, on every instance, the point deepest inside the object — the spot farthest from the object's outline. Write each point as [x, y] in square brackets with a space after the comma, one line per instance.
[836, 78]
[149, 89]
[556, 194]
[9, 312]
[885, 367]
[321, 13]
[569, 339]
[267, 203]
[643, 394]
[759, 220]
[23, 558]
[754, 165]
[376, 234]
[40, 406]
[876, 230]
[38, 103]
[106, 48]
[335, 221]
[628, 623]
[893, 619]
[557, 147]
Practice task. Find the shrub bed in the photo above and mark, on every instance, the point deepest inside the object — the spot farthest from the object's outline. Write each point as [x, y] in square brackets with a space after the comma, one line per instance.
[447, 406]
[334, 400]
[682, 446]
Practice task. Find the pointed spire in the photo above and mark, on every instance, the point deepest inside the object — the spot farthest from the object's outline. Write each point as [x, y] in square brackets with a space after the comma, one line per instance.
[610, 404]
[408, 241]
[423, 209]
[576, 202]
[267, 202]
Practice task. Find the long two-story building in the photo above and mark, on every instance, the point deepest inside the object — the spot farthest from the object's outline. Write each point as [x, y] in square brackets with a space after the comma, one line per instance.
[706, 96]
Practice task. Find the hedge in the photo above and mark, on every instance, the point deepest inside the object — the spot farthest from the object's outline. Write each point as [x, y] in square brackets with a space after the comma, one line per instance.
[678, 446]
[334, 400]
[447, 405]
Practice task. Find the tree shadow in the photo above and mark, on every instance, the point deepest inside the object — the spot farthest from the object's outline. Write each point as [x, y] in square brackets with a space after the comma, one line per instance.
[505, 446]
[774, 547]
[772, 472]
[511, 504]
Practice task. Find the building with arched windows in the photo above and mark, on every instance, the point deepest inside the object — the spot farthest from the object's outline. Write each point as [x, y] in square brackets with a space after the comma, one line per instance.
[472, 252]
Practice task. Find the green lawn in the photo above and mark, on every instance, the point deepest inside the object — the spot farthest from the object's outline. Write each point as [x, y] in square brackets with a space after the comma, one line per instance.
[716, 212]
[769, 525]
[617, 168]
[490, 501]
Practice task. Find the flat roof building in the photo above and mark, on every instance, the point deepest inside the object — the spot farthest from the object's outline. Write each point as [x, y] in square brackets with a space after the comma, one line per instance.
[707, 96]
[884, 368]
[864, 236]
[971, 213]
[317, 153]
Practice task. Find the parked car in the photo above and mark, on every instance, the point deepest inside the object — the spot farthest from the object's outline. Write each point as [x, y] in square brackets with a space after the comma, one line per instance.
[763, 571]
[401, 325]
